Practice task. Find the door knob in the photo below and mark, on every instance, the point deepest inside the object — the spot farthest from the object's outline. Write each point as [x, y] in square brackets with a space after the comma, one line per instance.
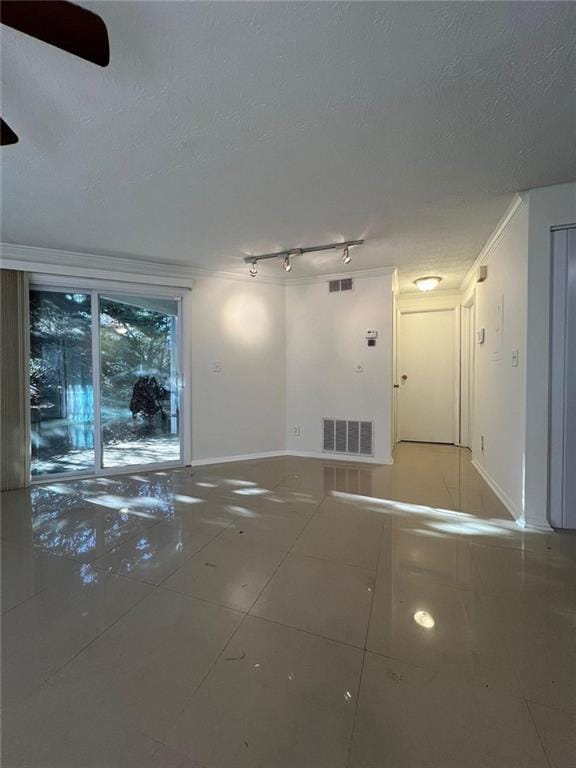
[404, 377]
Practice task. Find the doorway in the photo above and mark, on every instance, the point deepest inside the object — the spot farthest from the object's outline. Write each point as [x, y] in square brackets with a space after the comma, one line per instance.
[427, 363]
[106, 382]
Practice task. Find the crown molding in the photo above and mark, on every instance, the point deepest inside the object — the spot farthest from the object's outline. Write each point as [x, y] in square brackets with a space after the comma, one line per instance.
[31, 258]
[493, 240]
[354, 273]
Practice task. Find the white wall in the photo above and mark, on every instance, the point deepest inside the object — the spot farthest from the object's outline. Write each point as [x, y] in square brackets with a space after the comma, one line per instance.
[325, 339]
[242, 410]
[511, 404]
[424, 301]
[500, 399]
[549, 207]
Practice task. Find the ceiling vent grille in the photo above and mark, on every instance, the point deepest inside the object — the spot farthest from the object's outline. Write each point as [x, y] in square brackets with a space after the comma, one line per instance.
[337, 286]
[350, 437]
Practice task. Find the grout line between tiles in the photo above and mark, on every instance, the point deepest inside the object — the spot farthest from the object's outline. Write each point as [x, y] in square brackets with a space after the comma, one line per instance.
[222, 651]
[58, 670]
[543, 748]
[357, 707]
[219, 655]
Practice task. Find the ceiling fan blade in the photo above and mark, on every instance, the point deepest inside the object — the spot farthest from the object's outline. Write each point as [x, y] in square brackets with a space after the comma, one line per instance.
[7, 135]
[62, 24]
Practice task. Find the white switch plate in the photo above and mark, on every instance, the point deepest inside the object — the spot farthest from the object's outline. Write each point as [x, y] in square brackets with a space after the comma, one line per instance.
[515, 356]
[296, 431]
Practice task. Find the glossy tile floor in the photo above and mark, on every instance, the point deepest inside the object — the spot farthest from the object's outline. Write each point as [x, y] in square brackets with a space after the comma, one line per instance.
[286, 612]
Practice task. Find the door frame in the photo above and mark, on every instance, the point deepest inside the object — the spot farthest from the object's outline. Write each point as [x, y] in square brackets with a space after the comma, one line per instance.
[467, 358]
[412, 310]
[96, 286]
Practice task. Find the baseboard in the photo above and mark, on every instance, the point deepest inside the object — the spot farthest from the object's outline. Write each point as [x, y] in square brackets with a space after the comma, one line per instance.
[340, 457]
[240, 457]
[301, 454]
[539, 526]
[502, 495]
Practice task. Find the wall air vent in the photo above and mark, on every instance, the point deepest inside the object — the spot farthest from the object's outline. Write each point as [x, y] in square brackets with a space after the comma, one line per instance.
[336, 286]
[351, 437]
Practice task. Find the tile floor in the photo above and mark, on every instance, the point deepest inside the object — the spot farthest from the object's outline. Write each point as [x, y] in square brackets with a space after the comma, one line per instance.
[289, 613]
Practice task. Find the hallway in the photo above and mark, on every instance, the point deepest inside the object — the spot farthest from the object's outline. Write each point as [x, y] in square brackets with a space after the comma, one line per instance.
[289, 612]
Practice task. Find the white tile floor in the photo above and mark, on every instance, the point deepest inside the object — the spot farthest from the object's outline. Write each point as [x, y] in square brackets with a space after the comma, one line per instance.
[286, 612]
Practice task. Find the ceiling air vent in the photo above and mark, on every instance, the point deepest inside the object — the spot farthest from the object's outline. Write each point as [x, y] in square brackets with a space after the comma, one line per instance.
[351, 437]
[336, 286]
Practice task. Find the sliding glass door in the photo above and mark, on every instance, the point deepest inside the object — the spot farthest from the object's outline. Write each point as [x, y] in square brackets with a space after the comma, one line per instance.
[139, 403]
[105, 381]
[61, 382]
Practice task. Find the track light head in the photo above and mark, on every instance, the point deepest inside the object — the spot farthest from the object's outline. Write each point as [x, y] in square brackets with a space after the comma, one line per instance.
[287, 265]
[253, 268]
[346, 258]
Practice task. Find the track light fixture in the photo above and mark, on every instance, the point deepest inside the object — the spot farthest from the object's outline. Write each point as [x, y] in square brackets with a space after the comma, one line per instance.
[286, 255]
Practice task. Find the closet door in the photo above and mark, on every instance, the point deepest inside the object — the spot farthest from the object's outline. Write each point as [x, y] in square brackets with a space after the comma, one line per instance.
[562, 467]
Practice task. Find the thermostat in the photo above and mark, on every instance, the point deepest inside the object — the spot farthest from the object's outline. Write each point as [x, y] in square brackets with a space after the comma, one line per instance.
[371, 336]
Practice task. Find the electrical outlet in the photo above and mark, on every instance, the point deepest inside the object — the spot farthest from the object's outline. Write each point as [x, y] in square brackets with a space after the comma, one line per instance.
[217, 367]
[515, 357]
[296, 431]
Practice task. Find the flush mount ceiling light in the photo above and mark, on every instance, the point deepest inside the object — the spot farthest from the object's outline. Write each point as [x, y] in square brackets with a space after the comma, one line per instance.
[424, 619]
[427, 283]
[287, 255]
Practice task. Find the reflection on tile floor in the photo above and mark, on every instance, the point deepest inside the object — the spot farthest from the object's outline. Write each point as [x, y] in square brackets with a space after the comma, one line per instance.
[286, 612]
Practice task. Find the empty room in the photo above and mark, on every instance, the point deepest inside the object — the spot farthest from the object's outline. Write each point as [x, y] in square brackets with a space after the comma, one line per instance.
[288, 384]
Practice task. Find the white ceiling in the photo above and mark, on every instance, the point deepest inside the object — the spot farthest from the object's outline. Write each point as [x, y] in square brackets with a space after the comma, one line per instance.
[224, 129]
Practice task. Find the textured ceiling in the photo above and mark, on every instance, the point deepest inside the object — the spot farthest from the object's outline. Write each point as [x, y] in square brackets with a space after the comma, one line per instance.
[222, 129]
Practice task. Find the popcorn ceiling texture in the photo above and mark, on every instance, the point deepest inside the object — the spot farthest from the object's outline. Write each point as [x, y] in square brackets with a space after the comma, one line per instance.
[223, 129]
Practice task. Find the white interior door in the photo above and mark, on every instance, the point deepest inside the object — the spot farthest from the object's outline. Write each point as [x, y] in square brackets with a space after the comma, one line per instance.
[562, 447]
[426, 410]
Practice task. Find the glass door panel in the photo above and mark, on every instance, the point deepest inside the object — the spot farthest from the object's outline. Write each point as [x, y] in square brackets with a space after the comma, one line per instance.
[139, 392]
[61, 382]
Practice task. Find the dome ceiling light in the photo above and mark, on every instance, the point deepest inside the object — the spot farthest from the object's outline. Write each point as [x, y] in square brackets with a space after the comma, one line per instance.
[428, 283]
